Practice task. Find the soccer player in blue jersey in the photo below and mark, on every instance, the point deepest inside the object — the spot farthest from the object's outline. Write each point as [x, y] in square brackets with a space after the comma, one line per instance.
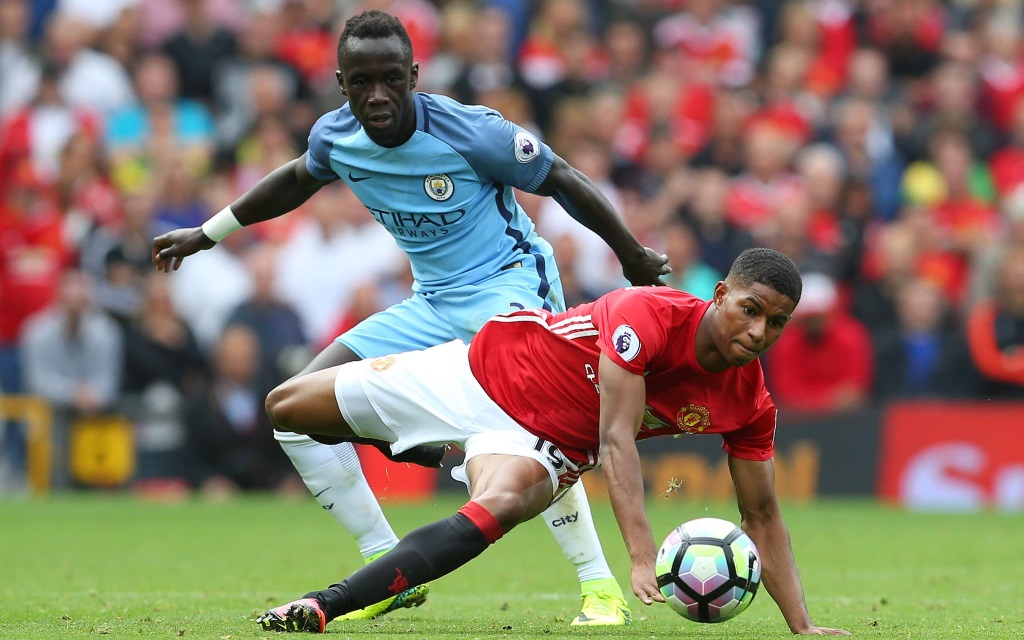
[439, 175]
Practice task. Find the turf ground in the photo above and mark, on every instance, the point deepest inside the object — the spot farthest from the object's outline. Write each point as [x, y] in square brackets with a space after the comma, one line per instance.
[89, 566]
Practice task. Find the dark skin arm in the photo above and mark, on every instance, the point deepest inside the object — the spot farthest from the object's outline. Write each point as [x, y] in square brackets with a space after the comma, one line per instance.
[282, 190]
[623, 397]
[762, 520]
[588, 206]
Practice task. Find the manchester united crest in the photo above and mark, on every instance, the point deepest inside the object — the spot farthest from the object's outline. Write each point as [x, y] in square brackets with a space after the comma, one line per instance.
[693, 418]
[439, 186]
[382, 364]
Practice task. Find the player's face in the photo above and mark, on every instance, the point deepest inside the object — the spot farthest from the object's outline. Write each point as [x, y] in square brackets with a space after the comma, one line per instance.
[749, 320]
[378, 79]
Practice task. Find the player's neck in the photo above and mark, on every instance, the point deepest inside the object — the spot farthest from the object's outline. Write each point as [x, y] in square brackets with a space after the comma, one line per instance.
[704, 349]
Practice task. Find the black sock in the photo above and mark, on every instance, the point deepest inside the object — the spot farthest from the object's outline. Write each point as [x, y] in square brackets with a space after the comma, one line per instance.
[423, 555]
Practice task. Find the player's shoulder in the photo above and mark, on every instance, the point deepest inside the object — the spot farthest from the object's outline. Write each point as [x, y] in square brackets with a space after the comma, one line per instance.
[442, 108]
[335, 124]
[467, 128]
[655, 296]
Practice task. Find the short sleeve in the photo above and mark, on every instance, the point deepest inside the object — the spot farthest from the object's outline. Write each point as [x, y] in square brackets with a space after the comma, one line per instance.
[321, 141]
[497, 149]
[756, 440]
[630, 332]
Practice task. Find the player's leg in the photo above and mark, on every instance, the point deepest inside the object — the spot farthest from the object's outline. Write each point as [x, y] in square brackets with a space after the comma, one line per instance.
[507, 490]
[333, 473]
[571, 523]
[513, 475]
[536, 285]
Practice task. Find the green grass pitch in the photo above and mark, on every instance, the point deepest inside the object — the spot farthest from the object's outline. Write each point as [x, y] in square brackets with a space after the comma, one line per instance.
[89, 566]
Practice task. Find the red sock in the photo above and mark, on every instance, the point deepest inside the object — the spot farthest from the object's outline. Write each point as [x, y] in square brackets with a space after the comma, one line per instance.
[483, 520]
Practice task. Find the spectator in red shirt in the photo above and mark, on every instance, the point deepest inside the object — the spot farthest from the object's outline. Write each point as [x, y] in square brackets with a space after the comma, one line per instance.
[768, 184]
[825, 361]
[32, 256]
[995, 331]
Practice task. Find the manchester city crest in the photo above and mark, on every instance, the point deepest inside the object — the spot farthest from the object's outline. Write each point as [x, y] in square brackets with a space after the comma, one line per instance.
[439, 186]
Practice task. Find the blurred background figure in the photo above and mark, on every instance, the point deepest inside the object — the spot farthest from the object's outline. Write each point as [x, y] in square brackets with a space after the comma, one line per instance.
[162, 133]
[689, 272]
[198, 48]
[924, 355]
[995, 331]
[824, 362]
[19, 67]
[163, 369]
[73, 357]
[229, 450]
[33, 257]
[284, 348]
[89, 78]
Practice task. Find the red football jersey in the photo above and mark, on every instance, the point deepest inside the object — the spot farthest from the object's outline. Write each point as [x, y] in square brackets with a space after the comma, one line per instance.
[541, 368]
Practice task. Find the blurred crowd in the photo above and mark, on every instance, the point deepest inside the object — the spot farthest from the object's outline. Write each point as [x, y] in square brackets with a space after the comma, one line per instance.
[879, 143]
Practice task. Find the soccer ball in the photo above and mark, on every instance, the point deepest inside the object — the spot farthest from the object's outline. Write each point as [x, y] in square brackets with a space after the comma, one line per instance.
[708, 570]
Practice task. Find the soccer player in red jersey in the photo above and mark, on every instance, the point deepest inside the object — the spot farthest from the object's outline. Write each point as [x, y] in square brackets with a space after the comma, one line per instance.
[538, 398]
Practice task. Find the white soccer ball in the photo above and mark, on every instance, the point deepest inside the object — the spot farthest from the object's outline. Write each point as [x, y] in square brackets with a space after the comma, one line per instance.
[708, 570]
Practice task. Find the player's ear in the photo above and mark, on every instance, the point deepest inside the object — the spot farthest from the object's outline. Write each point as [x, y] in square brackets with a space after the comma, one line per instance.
[414, 75]
[721, 290]
[341, 81]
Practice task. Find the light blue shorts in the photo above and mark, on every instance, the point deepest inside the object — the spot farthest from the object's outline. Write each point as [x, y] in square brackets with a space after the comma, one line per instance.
[429, 319]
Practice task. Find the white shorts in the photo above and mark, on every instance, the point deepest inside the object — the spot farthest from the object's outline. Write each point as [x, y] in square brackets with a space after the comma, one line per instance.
[431, 397]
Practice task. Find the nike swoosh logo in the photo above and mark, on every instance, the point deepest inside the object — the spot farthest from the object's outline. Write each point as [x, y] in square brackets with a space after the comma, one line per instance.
[317, 495]
[352, 178]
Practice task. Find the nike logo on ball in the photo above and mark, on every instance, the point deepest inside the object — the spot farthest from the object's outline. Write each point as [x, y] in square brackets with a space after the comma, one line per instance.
[352, 178]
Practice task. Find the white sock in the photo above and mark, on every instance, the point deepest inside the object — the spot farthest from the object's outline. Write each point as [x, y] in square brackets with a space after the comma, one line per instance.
[333, 475]
[572, 525]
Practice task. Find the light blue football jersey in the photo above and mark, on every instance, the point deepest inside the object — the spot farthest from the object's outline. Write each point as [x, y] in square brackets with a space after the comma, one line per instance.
[446, 195]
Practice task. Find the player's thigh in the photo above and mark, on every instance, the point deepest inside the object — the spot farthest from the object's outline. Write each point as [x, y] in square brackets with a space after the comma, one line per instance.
[410, 325]
[512, 488]
[308, 404]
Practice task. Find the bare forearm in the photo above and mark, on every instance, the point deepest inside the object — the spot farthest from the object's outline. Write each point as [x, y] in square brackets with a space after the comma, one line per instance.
[778, 571]
[621, 466]
[276, 194]
[587, 205]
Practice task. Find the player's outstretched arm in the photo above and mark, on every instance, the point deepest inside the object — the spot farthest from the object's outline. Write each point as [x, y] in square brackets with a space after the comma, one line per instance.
[762, 520]
[279, 192]
[622, 408]
[588, 206]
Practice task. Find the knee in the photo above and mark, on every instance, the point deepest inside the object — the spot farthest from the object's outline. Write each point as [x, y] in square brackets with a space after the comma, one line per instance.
[509, 508]
[282, 406]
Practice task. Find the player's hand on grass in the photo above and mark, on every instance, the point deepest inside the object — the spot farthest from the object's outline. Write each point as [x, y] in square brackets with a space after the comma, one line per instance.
[647, 269]
[822, 631]
[170, 249]
[645, 584]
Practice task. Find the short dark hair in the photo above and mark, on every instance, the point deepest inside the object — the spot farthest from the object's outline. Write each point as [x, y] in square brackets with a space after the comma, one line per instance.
[768, 267]
[372, 25]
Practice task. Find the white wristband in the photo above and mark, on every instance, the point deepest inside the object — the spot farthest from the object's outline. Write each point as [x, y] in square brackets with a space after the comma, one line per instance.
[221, 225]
